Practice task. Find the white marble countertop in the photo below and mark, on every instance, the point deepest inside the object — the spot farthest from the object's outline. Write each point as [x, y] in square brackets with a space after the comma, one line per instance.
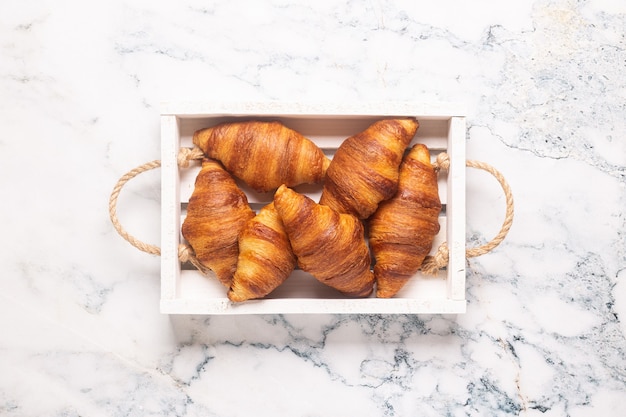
[80, 328]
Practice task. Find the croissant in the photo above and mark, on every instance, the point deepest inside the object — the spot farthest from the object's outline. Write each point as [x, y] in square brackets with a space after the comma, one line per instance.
[329, 245]
[402, 230]
[364, 170]
[264, 154]
[217, 211]
[265, 257]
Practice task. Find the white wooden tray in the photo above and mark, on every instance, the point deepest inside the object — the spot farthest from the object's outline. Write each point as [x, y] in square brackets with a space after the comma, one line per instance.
[184, 290]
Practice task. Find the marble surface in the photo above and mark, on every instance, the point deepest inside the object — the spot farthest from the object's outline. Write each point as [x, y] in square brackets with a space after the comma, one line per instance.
[80, 328]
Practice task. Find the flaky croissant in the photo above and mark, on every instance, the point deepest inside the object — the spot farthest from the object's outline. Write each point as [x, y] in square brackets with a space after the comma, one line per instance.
[265, 257]
[329, 245]
[263, 154]
[364, 170]
[402, 230]
[217, 211]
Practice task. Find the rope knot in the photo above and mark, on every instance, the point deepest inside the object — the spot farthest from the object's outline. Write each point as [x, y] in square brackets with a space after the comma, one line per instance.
[432, 264]
[442, 162]
[187, 254]
[185, 155]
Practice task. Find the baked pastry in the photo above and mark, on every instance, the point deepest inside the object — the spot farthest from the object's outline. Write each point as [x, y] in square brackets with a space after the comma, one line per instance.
[329, 245]
[402, 230]
[264, 155]
[265, 257]
[364, 170]
[216, 213]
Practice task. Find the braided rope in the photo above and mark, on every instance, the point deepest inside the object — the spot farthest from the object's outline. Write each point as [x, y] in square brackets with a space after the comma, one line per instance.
[508, 217]
[185, 252]
[151, 249]
[432, 264]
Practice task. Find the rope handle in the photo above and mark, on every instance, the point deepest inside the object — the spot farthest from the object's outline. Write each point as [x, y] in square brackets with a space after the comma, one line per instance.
[185, 252]
[431, 264]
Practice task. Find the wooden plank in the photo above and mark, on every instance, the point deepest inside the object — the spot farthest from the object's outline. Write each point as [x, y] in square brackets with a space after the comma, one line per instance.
[456, 211]
[170, 207]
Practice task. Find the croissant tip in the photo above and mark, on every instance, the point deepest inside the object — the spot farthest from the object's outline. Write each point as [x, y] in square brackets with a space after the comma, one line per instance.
[280, 191]
[409, 124]
[419, 152]
[235, 297]
[196, 139]
[325, 164]
[381, 293]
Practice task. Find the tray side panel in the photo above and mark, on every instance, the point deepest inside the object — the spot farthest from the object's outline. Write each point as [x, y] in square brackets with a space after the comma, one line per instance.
[170, 207]
[456, 212]
[433, 110]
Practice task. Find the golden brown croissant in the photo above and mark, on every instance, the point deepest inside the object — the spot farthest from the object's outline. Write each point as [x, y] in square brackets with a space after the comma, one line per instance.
[265, 257]
[264, 154]
[329, 245]
[402, 230]
[364, 170]
[216, 213]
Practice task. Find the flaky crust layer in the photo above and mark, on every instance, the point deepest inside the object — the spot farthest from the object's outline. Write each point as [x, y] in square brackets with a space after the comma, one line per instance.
[265, 257]
[264, 155]
[364, 170]
[216, 213]
[329, 245]
[402, 230]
